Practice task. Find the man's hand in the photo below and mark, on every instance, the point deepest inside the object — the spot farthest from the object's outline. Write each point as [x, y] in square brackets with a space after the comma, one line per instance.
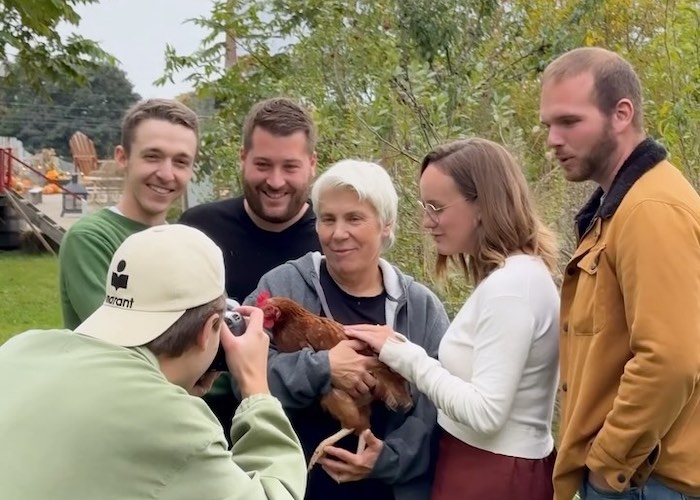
[599, 482]
[348, 466]
[349, 370]
[246, 355]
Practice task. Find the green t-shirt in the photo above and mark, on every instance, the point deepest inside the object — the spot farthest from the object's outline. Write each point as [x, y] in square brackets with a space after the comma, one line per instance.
[84, 258]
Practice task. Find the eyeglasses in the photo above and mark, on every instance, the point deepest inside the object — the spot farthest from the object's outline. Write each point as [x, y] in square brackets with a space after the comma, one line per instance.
[433, 212]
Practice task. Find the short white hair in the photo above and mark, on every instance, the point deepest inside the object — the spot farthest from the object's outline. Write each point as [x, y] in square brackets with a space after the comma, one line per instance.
[371, 182]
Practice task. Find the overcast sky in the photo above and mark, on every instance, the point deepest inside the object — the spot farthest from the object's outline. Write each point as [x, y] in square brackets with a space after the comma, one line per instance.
[137, 31]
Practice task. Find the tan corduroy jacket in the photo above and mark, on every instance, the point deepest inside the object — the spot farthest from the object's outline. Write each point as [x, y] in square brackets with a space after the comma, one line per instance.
[630, 333]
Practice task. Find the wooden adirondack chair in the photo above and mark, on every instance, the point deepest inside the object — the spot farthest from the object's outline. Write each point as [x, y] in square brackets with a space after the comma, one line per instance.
[84, 154]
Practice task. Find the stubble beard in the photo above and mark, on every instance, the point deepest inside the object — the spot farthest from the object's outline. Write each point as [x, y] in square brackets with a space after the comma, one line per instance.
[594, 165]
[253, 197]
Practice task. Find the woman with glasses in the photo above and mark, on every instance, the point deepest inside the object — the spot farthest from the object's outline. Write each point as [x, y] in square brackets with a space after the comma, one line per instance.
[495, 381]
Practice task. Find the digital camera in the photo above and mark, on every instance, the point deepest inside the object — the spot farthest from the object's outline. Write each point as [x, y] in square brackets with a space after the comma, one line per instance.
[236, 323]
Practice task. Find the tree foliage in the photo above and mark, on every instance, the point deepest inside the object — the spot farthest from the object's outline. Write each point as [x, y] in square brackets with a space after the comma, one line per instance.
[49, 119]
[389, 79]
[30, 42]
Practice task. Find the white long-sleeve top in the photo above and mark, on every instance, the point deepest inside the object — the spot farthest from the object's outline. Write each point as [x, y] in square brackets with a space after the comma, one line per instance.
[495, 381]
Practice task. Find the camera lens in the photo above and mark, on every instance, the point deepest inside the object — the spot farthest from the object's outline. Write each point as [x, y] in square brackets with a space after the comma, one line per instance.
[235, 322]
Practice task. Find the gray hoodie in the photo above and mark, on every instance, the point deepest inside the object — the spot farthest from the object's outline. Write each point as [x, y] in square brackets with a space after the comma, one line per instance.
[299, 379]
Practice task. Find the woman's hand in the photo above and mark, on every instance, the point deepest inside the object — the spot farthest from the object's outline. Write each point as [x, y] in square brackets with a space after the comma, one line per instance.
[374, 336]
[346, 466]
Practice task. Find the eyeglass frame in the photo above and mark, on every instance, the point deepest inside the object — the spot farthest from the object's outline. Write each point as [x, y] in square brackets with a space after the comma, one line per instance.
[435, 217]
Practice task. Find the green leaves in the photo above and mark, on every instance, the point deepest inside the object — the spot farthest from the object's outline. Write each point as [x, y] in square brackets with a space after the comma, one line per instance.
[388, 80]
[30, 42]
[50, 118]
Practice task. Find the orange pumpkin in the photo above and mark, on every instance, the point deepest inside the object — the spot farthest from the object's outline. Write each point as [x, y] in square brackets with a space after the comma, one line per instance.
[51, 189]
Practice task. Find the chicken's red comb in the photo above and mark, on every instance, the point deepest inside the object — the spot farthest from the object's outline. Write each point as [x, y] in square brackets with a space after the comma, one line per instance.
[262, 298]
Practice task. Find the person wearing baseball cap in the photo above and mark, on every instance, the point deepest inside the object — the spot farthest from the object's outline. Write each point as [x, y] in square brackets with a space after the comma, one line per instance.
[125, 417]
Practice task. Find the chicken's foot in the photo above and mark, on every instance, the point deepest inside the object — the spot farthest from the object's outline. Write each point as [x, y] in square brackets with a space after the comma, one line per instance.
[361, 444]
[318, 453]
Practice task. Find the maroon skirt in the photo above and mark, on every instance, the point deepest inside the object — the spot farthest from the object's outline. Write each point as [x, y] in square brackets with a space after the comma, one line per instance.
[464, 472]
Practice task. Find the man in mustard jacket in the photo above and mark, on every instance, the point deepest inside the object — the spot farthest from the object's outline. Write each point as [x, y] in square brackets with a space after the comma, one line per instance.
[630, 313]
[113, 411]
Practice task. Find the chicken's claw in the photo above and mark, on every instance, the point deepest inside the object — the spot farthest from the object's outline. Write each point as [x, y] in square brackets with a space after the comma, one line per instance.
[320, 449]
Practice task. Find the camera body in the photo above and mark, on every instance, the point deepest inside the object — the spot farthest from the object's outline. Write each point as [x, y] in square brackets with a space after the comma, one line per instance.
[236, 323]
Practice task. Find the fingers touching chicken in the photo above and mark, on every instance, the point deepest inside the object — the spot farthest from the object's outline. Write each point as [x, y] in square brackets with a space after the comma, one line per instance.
[294, 328]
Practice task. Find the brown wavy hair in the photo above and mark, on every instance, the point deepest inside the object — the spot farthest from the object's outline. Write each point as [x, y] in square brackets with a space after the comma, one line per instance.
[487, 174]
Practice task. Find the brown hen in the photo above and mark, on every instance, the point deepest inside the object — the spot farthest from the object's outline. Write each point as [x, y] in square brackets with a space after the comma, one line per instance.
[293, 328]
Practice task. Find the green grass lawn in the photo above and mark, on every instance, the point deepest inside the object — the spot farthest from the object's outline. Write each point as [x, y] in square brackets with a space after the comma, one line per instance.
[29, 295]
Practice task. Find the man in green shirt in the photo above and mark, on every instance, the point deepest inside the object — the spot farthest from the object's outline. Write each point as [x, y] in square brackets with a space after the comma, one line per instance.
[157, 154]
[112, 410]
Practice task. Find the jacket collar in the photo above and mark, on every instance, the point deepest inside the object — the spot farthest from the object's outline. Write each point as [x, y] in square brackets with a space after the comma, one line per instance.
[644, 157]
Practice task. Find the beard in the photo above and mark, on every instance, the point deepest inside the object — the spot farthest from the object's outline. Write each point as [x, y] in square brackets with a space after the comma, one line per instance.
[599, 159]
[297, 199]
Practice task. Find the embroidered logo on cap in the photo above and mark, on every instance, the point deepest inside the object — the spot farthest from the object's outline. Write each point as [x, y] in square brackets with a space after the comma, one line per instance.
[119, 279]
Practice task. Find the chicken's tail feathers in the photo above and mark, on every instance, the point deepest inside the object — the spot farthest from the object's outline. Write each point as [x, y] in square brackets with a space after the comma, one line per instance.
[398, 402]
[393, 390]
[262, 297]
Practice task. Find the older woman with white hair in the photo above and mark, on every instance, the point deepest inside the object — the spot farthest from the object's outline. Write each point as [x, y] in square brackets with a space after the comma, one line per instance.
[356, 207]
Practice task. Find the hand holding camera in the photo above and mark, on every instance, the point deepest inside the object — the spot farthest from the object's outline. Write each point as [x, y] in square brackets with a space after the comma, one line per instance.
[237, 326]
[245, 348]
